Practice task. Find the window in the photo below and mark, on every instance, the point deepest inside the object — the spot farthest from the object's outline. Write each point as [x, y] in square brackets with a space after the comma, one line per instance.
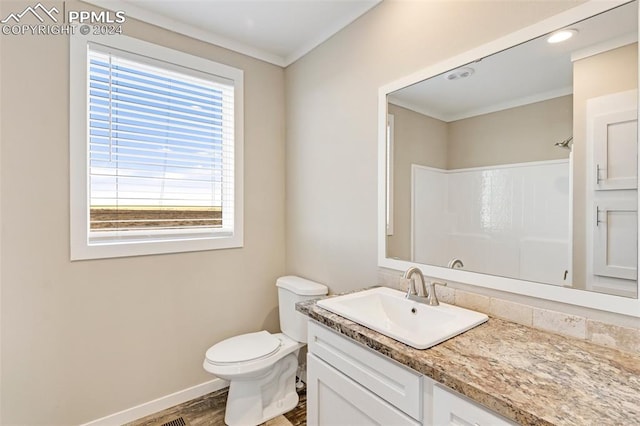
[155, 150]
[389, 177]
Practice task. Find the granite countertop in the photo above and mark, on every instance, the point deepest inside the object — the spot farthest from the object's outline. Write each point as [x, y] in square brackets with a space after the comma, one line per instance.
[529, 376]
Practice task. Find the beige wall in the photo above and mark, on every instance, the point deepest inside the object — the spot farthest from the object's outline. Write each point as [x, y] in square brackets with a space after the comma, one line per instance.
[418, 139]
[331, 98]
[515, 135]
[86, 339]
[598, 75]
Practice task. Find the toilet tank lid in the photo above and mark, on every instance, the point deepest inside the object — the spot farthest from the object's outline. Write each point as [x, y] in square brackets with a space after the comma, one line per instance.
[301, 286]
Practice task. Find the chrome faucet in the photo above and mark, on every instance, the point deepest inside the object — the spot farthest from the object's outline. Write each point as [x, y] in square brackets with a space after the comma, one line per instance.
[455, 262]
[433, 298]
[420, 294]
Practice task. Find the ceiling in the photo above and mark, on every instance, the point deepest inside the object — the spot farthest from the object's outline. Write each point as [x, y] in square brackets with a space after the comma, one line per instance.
[527, 73]
[275, 31]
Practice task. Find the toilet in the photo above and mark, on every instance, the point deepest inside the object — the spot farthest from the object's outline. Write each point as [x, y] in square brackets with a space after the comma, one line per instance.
[261, 367]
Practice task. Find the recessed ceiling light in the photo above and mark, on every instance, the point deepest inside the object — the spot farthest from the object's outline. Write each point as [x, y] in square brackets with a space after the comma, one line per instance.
[561, 35]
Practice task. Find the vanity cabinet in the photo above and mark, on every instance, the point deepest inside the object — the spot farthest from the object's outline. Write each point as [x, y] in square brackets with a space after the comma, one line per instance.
[350, 384]
[335, 399]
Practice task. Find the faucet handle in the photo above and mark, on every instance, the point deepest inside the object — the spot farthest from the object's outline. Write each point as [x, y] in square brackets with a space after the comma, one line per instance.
[432, 298]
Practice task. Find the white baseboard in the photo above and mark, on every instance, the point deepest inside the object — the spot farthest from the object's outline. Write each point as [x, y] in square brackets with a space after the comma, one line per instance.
[159, 404]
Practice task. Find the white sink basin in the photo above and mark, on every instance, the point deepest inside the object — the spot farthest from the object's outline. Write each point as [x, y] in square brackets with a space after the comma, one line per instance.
[387, 311]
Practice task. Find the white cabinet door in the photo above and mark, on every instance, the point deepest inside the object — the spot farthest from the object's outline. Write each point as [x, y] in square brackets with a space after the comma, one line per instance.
[615, 149]
[334, 399]
[452, 409]
[616, 246]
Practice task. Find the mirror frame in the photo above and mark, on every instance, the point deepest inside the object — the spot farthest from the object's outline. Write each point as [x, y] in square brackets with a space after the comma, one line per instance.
[600, 301]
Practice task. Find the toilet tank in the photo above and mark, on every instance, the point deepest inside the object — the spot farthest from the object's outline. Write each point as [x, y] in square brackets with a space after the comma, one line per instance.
[291, 290]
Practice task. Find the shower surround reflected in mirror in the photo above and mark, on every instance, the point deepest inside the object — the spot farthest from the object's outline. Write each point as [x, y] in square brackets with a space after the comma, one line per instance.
[523, 164]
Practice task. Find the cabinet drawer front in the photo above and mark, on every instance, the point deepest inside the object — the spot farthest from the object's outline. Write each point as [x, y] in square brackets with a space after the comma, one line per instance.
[392, 382]
[334, 399]
[449, 408]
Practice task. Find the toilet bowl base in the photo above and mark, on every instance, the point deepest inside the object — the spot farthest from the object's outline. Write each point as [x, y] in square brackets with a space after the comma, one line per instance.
[254, 401]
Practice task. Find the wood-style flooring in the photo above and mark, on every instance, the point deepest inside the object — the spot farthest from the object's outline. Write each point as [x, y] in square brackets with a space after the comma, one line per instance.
[208, 410]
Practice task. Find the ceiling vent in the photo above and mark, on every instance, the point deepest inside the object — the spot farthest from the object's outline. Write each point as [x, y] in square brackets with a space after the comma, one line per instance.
[459, 73]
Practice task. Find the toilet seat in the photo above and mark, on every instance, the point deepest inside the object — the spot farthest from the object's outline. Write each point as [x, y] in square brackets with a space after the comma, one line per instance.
[243, 348]
[258, 364]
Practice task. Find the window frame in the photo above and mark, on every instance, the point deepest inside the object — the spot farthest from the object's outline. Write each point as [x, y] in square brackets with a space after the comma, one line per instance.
[80, 245]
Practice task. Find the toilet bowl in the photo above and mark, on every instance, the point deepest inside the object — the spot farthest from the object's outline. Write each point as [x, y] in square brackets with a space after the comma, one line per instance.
[248, 355]
[261, 367]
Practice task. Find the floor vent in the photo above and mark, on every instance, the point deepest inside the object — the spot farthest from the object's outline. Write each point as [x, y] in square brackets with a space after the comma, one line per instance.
[178, 421]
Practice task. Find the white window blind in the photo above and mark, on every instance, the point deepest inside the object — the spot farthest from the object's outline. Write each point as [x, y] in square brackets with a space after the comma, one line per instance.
[161, 149]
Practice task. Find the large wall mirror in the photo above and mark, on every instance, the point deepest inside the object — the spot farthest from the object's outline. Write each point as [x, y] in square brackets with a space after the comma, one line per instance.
[517, 170]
